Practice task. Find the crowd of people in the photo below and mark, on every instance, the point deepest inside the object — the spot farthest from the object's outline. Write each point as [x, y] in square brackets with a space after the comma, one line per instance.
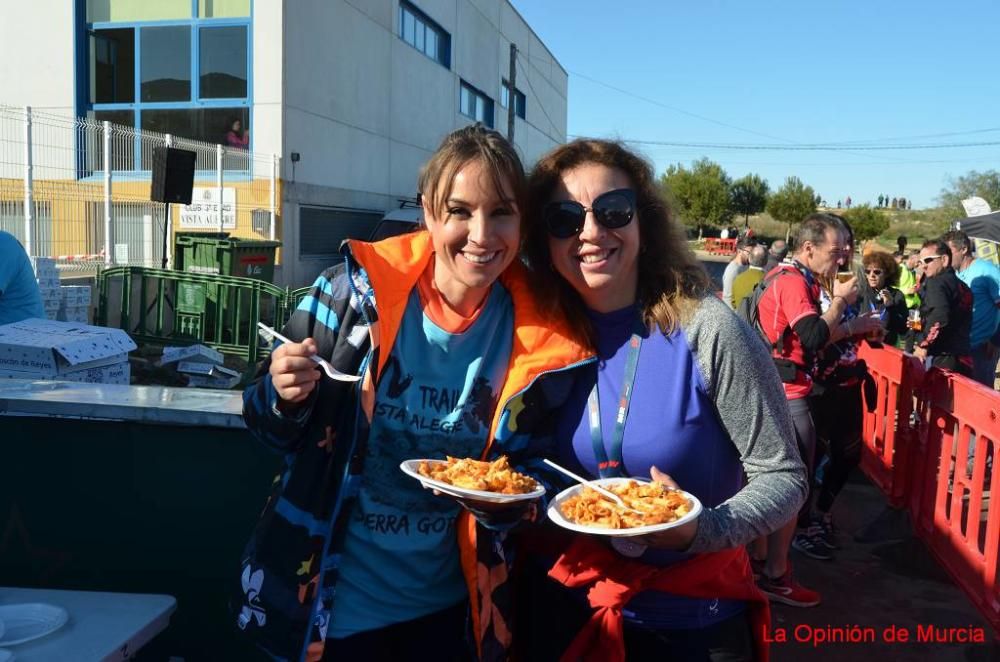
[560, 315]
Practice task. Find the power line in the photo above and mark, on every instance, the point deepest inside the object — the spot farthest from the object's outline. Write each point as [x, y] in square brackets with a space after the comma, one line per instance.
[538, 99]
[815, 147]
[675, 108]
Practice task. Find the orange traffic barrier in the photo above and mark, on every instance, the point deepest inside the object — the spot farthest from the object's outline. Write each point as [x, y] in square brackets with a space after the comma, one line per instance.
[718, 246]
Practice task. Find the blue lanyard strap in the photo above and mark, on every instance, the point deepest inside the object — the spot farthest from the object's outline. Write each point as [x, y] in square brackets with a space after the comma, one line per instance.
[609, 467]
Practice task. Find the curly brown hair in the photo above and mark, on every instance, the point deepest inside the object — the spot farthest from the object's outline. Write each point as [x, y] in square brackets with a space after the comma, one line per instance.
[885, 262]
[671, 280]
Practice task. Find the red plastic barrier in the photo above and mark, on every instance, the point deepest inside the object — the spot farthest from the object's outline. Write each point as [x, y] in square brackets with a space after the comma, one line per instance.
[929, 469]
[950, 500]
[886, 432]
[720, 246]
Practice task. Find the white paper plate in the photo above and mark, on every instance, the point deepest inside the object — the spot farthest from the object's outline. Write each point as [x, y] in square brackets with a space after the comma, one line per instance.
[412, 468]
[557, 517]
[31, 620]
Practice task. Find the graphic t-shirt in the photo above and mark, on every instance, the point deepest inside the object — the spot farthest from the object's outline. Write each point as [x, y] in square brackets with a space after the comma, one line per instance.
[436, 398]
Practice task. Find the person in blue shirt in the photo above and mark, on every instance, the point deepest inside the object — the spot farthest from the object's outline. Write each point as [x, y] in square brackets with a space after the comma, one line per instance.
[983, 278]
[19, 295]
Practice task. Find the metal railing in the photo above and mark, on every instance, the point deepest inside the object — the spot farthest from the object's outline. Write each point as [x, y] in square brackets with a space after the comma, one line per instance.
[77, 190]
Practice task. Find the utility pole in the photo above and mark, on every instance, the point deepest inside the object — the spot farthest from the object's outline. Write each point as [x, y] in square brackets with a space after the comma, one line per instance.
[511, 94]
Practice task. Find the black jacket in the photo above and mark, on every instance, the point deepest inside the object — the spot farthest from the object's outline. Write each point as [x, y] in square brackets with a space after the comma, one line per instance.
[895, 322]
[946, 315]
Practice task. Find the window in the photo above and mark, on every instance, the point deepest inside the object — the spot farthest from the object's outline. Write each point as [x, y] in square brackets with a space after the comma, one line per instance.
[520, 102]
[171, 66]
[112, 66]
[165, 64]
[115, 11]
[223, 66]
[475, 105]
[223, 8]
[419, 31]
[322, 229]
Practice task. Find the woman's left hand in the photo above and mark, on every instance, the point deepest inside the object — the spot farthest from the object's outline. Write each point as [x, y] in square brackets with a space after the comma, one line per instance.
[676, 539]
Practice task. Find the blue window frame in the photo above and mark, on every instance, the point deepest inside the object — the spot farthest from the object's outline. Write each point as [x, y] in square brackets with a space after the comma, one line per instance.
[190, 77]
[420, 31]
[520, 101]
[475, 105]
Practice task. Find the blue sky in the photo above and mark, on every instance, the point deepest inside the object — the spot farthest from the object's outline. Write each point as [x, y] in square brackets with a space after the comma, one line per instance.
[786, 73]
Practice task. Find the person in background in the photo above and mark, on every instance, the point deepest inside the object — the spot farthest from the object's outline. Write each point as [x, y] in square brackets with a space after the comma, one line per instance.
[20, 297]
[682, 392]
[776, 254]
[736, 266]
[236, 136]
[906, 279]
[745, 282]
[983, 278]
[945, 312]
[799, 326]
[879, 297]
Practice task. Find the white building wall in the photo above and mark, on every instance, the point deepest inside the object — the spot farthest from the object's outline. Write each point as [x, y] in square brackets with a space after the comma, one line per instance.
[268, 38]
[364, 109]
[37, 67]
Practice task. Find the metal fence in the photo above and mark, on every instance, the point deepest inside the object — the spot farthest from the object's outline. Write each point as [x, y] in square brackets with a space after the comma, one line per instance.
[78, 190]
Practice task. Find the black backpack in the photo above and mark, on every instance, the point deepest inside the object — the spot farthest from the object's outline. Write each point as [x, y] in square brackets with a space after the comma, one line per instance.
[747, 311]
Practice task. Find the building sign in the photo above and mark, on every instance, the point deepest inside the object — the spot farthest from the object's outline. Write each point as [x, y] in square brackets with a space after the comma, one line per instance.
[203, 212]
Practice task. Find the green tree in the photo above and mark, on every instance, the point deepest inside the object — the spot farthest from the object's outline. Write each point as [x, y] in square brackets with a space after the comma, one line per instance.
[791, 203]
[867, 223]
[748, 195]
[701, 194]
[985, 185]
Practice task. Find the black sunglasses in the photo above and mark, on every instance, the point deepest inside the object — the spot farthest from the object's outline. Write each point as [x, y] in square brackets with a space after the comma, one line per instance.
[613, 209]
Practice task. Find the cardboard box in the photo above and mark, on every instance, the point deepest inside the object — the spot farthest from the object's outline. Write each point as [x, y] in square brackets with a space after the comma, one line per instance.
[193, 354]
[47, 348]
[76, 295]
[117, 373]
[205, 369]
[213, 382]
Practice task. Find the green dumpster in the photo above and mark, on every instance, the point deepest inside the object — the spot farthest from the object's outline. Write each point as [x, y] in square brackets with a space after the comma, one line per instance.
[219, 254]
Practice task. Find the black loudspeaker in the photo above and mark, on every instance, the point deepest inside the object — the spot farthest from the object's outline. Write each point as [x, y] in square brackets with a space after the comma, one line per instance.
[173, 175]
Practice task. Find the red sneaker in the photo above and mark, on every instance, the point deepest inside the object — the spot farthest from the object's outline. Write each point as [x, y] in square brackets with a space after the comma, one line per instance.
[786, 590]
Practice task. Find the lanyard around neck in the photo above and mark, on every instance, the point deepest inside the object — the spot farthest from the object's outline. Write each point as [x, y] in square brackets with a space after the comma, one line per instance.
[611, 466]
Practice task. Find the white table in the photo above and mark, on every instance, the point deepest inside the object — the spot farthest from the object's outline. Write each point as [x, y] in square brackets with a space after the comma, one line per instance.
[101, 626]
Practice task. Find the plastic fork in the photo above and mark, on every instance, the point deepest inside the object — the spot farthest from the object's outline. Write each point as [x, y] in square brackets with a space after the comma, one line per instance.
[328, 368]
[597, 488]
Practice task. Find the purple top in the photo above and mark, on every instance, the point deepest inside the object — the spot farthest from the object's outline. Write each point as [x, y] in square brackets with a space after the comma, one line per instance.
[672, 424]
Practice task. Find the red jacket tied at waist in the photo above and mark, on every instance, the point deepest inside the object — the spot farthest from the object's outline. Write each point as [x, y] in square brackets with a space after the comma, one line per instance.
[614, 579]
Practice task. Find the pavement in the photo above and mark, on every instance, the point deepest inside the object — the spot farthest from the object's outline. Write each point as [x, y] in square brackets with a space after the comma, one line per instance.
[883, 588]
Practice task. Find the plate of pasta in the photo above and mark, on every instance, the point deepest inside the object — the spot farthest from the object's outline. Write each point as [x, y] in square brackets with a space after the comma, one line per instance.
[494, 481]
[582, 509]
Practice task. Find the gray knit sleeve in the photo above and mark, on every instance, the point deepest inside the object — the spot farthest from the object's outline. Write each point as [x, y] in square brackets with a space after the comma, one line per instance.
[743, 383]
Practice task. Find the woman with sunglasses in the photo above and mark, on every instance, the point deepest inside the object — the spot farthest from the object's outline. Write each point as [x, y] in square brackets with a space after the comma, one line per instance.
[682, 393]
[877, 296]
[352, 559]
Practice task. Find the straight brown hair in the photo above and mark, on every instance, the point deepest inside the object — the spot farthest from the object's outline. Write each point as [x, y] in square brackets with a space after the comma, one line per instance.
[470, 143]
